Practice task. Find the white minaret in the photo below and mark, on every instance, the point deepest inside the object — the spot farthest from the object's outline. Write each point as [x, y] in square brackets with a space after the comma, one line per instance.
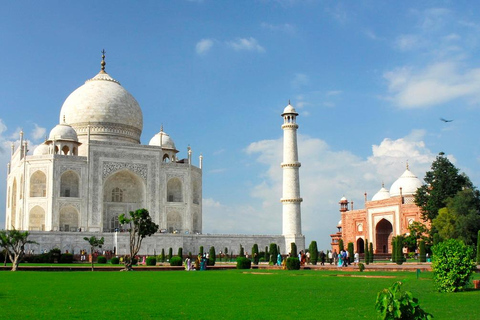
[291, 200]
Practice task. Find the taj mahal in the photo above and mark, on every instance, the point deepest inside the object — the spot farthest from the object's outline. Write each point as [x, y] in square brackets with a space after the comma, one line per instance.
[92, 167]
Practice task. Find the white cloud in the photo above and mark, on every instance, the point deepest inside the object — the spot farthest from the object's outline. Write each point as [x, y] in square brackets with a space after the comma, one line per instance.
[334, 93]
[326, 175]
[300, 80]
[203, 46]
[406, 42]
[286, 27]
[38, 132]
[244, 44]
[436, 84]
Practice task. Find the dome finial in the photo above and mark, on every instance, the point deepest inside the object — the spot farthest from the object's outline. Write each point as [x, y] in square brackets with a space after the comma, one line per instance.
[103, 63]
[161, 128]
[383, 185]
[407, 165]
[288, 101]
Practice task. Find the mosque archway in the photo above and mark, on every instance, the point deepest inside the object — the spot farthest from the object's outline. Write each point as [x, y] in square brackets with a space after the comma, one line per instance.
[69, 219]
[383, 236]
[38, 184]
[123, 191]
[174, 222]
[69, 184]
[360, 245]
[174, 190]
[36, 219]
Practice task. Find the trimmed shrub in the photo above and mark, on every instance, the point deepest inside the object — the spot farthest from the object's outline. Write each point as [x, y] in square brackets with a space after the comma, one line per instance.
[66, 258]
[293, 249]
[115, 260]
[423, 253]
[392, 304]
[243, 263]
[370, 253]
[313, 249]
[211, 256]
[267, 255]
[101, 259]
[452, 265]
[255, 255]
[201, 251]
[176, 261]
[170, 254]
[273, 253]
[242, 251]
[151, 261]
[340, 245]
[361, 267]
[399, 250]
[367, 254]
[394, 250]
[293, 263]
[350, 252]
[162, 256]
[180, 253]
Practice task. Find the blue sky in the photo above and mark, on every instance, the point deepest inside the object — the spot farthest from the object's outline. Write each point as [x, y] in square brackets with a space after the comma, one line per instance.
[370, 80]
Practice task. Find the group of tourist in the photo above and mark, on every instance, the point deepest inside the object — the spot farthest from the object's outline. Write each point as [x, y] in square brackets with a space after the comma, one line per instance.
[200, 263]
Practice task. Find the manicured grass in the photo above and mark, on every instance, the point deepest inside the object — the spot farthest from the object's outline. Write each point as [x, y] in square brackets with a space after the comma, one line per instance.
[227, 294]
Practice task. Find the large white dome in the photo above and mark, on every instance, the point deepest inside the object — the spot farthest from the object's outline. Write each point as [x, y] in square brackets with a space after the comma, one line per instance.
[110, 111]
[408, 182]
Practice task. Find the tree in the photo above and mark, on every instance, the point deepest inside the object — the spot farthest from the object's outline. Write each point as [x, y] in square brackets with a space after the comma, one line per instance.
[370, 253]
[242, 252]
[340, 245]
[367, 255]
[417, 231]
[94, 242]
[14, 241]
[460, 219]
[423, 252]
[180, 253]
[293, 249]
[350, 252]
[478, 248]
[442, 182]
[141, 226]
[313, 249]
[212, 256]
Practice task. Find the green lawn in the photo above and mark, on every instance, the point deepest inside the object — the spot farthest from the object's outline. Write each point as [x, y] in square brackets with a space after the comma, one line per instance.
[227, 294]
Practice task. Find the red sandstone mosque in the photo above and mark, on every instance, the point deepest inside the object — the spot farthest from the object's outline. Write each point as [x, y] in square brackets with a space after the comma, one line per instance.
[386, 215]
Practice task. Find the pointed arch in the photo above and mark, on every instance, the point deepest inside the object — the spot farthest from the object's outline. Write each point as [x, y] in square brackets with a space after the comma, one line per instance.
[360, 245]
[383, 236]
[38, 184]
[69, 219]
[36, 219]
[69, 184]
[174, 190]
[174, 222]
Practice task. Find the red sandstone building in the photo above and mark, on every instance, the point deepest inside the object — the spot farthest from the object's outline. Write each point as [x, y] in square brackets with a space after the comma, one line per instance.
[386, 215]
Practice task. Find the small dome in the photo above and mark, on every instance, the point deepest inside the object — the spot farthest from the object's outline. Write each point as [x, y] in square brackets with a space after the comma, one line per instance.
[382, 194]
[41, 149]
[289, 109]
[339, 224]
[163, 140]
[408, 182]
[343, 199]
[63, 132]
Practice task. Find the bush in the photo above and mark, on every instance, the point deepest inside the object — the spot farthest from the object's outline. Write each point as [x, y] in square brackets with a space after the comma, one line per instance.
[162, 255]
[273, 253]
[452, 265]
[313, 249]
[293, 263]
[350, 252]
[361, 267]
[66, 258]
[340, 245]
[176, 261]
[392, 303]
[101, 259]
[242, 252]
[151, 261]
[293, 250]
[170, 254]
[212, 257]
[243, 263]
[255, 255]
[180, 253]
[423, 253]
[370, 253]
[478, 247]
[367, 254]
[115, 260]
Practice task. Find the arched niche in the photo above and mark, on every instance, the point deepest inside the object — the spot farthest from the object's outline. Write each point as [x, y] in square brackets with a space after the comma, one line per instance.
[69, 184]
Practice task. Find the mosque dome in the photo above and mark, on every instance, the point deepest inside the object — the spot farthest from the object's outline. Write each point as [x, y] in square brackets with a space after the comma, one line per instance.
[103, 107]
[41, 149]
[289, 109]
[163, 140]
[63, 132]
[408, 182]
[382, 194]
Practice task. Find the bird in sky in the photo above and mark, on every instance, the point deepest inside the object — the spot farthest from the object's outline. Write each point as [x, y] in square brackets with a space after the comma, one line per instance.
[445, 120]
